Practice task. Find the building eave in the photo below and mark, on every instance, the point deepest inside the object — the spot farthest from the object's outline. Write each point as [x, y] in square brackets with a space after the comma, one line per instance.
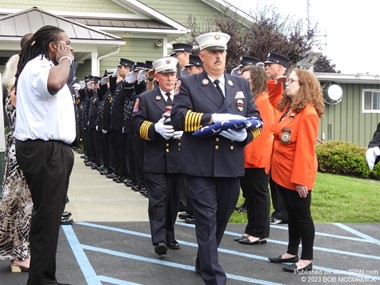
[349, 78]
[141, 8]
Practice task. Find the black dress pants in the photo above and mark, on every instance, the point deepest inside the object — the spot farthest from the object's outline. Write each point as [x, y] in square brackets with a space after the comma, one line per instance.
[300, 223]
[163, 205]
[255, 185]
[47, 166]
[279, 212]
[213, 201]
[117, 155]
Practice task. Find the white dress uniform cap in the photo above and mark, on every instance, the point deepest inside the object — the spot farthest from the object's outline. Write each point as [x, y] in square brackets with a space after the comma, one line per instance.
[213, 41]
[165, 65]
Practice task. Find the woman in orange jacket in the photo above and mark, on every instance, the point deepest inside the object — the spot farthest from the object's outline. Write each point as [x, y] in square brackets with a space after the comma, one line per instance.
[294, 163]
[255, 183]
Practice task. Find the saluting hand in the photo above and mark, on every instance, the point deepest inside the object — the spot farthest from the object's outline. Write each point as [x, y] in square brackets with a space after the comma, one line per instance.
[64, 50]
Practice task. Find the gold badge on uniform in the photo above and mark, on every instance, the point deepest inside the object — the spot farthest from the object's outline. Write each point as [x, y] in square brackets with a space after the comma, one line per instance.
[286, 135]
[204, 81]
[217, 37]
[240, 104]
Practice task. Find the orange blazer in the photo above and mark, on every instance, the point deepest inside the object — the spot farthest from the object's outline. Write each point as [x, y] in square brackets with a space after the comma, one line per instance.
[258, 152]
[294, 160]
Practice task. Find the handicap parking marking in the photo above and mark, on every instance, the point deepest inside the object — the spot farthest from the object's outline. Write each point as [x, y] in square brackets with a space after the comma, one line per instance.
[116, 281]
[93, 279]
[317, 248]
[360, 234]
[172, 264]
[81, 257]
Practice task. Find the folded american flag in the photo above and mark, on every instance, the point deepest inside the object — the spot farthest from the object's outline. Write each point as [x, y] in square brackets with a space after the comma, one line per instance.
[216, 128]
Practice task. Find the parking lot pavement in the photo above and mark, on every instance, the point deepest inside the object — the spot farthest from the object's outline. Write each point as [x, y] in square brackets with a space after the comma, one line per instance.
[97, 253]
[109, 243]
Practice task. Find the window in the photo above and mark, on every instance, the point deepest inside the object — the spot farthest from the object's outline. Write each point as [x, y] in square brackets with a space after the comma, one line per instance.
[371, 101]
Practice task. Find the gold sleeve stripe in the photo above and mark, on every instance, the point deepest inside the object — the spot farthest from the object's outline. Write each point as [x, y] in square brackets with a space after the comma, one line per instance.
[256, 133]
[192, 121]
[144, 130]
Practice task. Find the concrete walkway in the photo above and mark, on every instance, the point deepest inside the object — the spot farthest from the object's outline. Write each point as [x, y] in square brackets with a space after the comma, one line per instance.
[93, 197]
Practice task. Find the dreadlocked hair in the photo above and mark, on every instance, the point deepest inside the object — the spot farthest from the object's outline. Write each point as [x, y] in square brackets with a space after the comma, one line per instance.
[38, 44]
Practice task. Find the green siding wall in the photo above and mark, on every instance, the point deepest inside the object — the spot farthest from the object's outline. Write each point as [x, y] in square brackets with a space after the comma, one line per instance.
[179, 11]
[345, 120]
[136, 50]
[99, 6]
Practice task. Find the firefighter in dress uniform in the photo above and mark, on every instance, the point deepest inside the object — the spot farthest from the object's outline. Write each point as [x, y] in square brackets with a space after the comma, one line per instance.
[213, 165]
[150, 121]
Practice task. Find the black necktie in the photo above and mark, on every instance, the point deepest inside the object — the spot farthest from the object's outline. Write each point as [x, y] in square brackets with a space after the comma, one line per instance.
[216, 82]
[169, 100]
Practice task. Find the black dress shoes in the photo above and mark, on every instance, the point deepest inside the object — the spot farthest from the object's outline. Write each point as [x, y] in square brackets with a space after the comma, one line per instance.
[241, 209]
[239, 238]
[160, 248]
[279, 259]
[295, 269]
[173, 244]
[66, 214]
[111, 175]
[66, 221]
[246, 240]
[184, 216]
[190, 220]
[144, 192]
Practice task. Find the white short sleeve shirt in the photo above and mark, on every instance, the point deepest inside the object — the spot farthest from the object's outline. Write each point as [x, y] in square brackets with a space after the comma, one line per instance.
[40, 115]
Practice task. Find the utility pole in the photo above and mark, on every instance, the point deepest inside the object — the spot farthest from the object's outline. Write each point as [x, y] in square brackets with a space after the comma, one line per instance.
[308, 13]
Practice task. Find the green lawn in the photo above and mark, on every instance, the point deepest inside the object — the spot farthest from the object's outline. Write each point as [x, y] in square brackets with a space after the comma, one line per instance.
[339, 199]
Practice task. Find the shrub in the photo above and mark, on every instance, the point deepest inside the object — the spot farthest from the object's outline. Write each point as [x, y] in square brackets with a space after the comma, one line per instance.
[345, 158]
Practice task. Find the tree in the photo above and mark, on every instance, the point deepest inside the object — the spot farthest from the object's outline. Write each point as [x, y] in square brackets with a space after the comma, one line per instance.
[267, 32]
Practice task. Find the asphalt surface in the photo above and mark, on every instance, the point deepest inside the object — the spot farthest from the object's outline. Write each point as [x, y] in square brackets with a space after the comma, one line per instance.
[109, 243]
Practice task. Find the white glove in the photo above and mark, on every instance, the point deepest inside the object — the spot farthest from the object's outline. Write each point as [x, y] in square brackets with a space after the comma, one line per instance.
[130, 78]
[141, 76]
[371, 155]
[177, 135]
[217, 117]
[166, 131]
[115, 73]
[82, 84]
[104, 80]
[90, 85]
[97, 127]
[104, 131]
[233, 135]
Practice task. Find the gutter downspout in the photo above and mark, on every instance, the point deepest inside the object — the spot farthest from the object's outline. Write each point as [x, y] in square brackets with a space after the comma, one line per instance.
[106, 55]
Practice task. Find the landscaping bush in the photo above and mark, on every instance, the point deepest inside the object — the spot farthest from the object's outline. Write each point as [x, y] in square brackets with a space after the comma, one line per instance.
[345, 158]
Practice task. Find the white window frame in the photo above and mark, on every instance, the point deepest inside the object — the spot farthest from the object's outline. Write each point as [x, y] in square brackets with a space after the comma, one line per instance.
[364, 91]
